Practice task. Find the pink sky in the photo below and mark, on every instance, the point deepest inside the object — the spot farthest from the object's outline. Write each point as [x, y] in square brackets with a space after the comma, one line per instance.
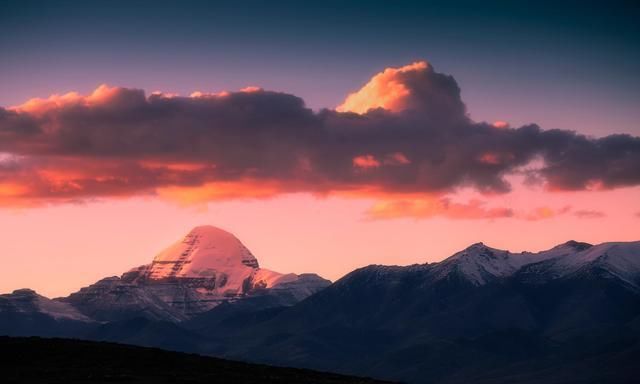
[59, 249]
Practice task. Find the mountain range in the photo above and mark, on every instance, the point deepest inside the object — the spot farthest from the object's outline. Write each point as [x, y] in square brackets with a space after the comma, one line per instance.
[207, 267]
[483, 315]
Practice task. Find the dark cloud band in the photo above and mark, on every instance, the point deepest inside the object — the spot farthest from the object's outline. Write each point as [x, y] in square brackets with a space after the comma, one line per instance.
[411, 135]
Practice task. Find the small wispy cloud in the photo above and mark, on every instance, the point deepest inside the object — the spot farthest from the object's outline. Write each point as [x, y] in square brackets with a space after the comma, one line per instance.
[589, 214]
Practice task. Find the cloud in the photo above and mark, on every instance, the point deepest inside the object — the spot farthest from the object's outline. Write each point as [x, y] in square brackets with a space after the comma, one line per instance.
[589, 214]
[365, 161]
[543, 213]
[421, 208]
[444, 207]
[501, 124]
[415, 87]
[405, 132]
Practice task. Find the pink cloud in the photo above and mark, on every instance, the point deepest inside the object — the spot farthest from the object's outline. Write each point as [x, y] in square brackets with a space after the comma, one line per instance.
[385, 90]
[365, 161]
[397, 158]
[420, 208]
[544, 212]
[501, 124]
[411, 134]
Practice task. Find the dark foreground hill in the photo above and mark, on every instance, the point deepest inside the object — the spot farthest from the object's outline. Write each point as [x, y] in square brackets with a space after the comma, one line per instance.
[38, 360]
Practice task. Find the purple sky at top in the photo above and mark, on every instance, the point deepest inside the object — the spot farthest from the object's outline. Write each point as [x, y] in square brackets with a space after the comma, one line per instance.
[572, 65]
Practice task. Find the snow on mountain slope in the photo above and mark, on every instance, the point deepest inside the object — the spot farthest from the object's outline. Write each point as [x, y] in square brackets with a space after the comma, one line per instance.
[205, 251]
[264, 278]
[216, 259]
[28, 301]
[621, 259]
[292, 290]
[113, 298]
[479, 263]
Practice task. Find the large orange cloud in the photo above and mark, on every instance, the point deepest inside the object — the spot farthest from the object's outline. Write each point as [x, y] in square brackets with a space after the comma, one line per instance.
[385, 90]
[405, 133]
[414, 87]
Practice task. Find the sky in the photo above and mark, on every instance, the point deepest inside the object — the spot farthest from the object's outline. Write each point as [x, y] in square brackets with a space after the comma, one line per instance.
[326, 135]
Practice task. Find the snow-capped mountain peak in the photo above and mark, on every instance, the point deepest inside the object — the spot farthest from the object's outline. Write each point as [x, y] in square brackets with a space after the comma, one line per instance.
[207, 267]
[568, 247]
[479, 263]
[203, 252]
[28, 301]
[621, 259]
